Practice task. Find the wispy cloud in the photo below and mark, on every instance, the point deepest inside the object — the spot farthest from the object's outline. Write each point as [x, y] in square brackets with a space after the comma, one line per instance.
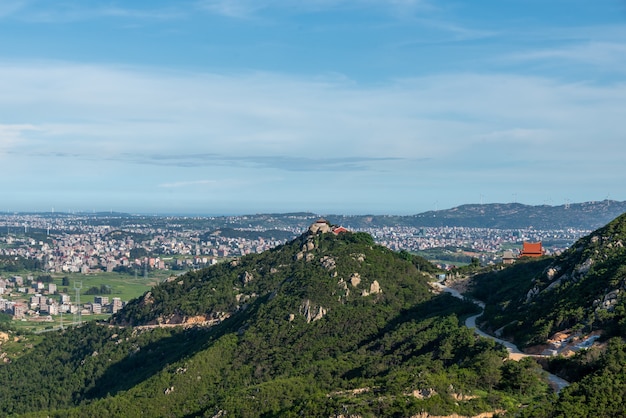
[10, 7]
[280, 121]
[111, 126]
[72, 11]
[251, 8]
[609, 55]
[191, 183]
[11, 135]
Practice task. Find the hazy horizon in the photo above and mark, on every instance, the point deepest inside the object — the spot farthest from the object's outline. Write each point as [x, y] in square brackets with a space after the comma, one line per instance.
[337, 106]
[53, 211]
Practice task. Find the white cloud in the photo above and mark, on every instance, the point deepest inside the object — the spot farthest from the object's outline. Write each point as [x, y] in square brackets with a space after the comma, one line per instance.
[12, 135]
[10, 7]
[189, 183]
[62, 12]
[609, 55]
[251, 8]
[272, 121]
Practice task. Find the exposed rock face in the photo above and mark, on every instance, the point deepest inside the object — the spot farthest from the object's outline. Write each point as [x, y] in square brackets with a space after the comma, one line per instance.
[148, 299]
[312, 313]
[424, 393]
[532, 293]
[328, 263]
[241, 297]
[584, 267]
[552, 272]
[321, 226]
[246, 277]
[355, 279]
[375, 288]
[608, 302]
[198, 319]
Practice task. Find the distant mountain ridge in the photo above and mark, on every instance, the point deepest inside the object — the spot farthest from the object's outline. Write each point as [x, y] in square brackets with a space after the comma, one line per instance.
[585, 216]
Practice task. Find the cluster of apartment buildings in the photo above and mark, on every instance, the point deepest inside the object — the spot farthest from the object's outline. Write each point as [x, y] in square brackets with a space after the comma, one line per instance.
[487, 241]
[86, 248]
[79, 244]
[28, 297]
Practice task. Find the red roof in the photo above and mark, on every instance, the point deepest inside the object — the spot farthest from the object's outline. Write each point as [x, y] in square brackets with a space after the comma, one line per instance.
[339, 229]
[532, 249]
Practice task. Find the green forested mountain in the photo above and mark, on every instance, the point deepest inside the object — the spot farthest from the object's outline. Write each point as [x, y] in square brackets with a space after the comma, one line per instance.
[326, 325]
[579, 293]
[583, 288]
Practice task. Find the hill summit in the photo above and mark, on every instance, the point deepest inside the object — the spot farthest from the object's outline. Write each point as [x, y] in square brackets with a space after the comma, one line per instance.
[327, 325]
[325, 266]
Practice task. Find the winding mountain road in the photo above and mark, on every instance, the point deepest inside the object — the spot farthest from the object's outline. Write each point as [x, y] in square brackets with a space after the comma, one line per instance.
[514, 352]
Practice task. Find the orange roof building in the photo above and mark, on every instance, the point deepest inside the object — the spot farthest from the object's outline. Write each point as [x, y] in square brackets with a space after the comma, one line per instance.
[339, 229]
[532, 249]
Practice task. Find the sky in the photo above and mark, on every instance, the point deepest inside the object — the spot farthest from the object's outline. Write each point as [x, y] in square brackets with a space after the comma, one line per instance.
[328, 106]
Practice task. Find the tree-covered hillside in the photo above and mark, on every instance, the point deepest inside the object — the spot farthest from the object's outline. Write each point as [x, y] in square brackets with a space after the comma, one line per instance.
[327, 270]
[578, 293]
[583, 289]
[326, 325]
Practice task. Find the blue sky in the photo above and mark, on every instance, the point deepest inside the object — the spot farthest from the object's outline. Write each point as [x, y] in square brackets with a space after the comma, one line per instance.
[329, 106]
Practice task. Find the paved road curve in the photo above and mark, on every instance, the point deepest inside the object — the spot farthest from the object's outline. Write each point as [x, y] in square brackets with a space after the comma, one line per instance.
[514, 352]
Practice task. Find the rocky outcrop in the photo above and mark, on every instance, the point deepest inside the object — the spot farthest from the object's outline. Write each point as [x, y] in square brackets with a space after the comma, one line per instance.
[344, 290]
[246, 277]
[355, 279]
[148, 299]
[373, 290]
[608, 302]
[328, 263]
[320, 226]
[312, 313]
[424, 393]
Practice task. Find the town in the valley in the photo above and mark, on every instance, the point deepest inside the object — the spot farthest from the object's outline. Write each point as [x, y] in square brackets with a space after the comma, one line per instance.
[40, 252]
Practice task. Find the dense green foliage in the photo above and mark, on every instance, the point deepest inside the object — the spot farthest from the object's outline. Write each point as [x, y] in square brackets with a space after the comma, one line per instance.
[307, 333]
[599, 390]
[535, 298]
[582, 291]
[231, 287]
[12, 264]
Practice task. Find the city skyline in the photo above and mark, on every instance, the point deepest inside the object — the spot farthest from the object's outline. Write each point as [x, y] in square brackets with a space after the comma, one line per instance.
[224, 107]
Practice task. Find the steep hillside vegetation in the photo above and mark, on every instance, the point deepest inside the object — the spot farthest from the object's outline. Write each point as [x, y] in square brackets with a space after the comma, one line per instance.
[577, 294]
[582, 289]
[323, 326]
[316, 272]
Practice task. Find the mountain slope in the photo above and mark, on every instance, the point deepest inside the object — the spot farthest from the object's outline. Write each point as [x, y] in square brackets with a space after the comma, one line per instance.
[326, 325]
[324, 269]
[582, 289]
